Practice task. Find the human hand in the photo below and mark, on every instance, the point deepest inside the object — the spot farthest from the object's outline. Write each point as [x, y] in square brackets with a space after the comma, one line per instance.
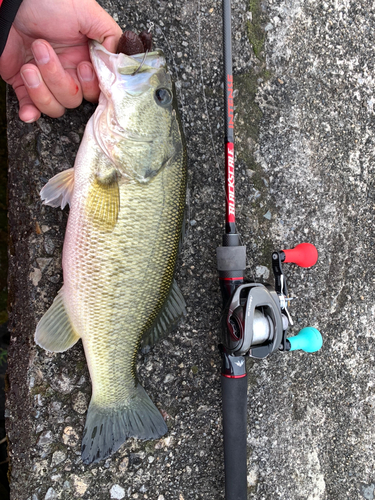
[46, 58]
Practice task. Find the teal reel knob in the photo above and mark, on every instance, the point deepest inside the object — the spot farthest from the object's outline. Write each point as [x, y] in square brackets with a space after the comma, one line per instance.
[309, 339]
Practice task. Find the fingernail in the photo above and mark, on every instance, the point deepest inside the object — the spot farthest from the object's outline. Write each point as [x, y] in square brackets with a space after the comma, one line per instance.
[31, 77]
[40, 52]
[85, 72]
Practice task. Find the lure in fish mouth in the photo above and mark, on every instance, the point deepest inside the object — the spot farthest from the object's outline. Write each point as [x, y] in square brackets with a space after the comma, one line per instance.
[130, 43]
[127, 199]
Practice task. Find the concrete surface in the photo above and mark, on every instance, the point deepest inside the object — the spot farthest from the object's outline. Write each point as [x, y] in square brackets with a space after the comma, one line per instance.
[305, 151]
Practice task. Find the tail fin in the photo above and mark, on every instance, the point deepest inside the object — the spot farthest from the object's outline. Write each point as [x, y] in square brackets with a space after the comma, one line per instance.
[107, 429]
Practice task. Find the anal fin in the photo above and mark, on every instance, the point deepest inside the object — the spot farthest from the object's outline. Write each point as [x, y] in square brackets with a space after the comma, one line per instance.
[54, 331]
[172, 311]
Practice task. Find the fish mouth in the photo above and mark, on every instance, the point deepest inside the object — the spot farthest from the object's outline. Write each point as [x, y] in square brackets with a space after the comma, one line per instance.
[122, 78]
[122, 63]
[110, 67]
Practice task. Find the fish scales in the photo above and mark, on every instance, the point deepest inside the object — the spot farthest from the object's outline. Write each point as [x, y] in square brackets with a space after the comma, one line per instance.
[121, 278]
[127, 199]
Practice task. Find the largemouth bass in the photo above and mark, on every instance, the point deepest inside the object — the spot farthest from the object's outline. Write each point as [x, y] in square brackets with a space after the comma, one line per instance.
[127, 198]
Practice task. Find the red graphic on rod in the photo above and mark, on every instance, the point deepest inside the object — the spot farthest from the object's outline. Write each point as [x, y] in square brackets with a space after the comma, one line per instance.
[231, 214]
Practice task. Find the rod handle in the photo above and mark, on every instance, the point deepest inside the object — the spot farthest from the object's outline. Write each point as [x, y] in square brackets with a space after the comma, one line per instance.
[234, 393]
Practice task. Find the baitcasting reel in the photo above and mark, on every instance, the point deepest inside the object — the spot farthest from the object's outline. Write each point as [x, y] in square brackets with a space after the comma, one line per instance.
[256, 319]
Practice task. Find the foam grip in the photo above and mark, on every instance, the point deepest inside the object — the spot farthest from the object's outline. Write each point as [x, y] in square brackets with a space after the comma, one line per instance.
[234, 392]
[304, 255]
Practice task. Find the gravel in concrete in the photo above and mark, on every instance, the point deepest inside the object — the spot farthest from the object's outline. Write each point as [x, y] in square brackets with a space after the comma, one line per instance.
[305, 94]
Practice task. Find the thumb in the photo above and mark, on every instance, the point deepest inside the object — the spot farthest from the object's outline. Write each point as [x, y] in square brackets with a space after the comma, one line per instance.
[98, 25]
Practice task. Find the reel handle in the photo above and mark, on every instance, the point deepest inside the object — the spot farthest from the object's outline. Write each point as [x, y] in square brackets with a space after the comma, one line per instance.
[309, 339]
[304, 255]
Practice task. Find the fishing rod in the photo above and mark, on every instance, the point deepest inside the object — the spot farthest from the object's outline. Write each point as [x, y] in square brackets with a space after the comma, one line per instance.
[255, 316]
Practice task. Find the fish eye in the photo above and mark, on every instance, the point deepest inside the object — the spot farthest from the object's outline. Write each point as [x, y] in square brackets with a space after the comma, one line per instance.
[163, 97]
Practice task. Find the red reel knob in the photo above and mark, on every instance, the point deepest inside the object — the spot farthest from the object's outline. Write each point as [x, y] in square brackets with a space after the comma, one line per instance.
[304, 255]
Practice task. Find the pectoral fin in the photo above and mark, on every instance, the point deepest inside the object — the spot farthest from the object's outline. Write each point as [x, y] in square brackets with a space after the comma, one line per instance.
[103, 201]
[59, 190]
[54, 331]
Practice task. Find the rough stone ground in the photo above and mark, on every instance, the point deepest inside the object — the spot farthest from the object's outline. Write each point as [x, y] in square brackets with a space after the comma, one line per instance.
[305, 152]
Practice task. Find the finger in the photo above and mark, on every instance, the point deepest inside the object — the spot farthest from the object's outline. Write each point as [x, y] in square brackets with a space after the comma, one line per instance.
[28, 112]
[88, 81]
[110, 42]
[98, 25]
[62, 83]
[39, 93]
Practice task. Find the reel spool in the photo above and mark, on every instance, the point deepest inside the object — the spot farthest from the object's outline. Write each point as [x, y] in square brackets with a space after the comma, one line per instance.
[253, 322]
